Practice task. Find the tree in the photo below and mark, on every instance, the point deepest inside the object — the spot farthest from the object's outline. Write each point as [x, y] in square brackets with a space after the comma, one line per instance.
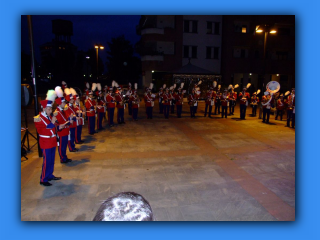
[122, 65]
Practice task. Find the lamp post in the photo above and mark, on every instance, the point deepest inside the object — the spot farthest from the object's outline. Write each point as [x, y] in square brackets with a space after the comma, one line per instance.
[97, 47]
[266, 29]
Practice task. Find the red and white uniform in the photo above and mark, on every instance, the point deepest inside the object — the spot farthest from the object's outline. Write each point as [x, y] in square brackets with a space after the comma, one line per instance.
[232, 96]
[101, 106]
[119, 100]
[218, 96]
[69, 109]
[254, 100]
[224, 100]
[166, 99]
[209, 97]
[46, 131]
[280, 104]
[179, 98]
[134, 100]
[90, 104]
[148, 100]
[79, 114]
[290, 102]
[62, 119]
[244, 97]
[265, 99]
[110, 100]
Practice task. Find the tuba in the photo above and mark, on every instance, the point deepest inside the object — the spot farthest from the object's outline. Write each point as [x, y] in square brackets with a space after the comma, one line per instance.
[272, 87]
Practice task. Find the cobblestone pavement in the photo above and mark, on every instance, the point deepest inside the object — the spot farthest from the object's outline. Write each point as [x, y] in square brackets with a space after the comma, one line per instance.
[203, 169]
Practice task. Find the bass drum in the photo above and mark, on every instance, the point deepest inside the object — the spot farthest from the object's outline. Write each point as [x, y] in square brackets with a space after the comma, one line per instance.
[26, 95]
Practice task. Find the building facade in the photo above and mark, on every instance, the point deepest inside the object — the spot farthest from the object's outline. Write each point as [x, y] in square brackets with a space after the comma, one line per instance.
[258, 57]
[170, 42]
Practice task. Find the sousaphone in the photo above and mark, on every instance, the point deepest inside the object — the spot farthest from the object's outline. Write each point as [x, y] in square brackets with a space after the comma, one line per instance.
[272, 87]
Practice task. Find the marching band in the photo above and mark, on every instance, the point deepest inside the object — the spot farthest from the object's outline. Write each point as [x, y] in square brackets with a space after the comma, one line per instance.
[64, 127]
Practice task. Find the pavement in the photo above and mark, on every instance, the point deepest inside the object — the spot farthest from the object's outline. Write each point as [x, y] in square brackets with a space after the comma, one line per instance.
[203, 169]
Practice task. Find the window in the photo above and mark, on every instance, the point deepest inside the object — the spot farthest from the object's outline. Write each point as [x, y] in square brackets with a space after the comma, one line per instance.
[244, 29]
[212, 53]
[282, 55]
[190, 26]
[241, 27]
[190, 51]
[213, 28]
[240, 53]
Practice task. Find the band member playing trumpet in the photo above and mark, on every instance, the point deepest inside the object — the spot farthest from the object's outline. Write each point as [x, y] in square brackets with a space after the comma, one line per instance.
[91, 113]
[120, 105]
[101, 109]
[280, 107]
[192, 100]
[244, 101]
[267, 102]
[224, 103]
[80, 113]
[135, 105]
[71, 113]
[291, 109]
[161, 101]
[232, 101]
[166, 103]
[149, 100]
[217, 101]
[209, 102]
[178, 97]
[254, 103]
[64, 123]
[110, 100]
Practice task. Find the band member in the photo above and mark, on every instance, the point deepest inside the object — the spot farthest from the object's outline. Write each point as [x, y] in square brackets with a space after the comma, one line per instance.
[244, 101]
[192, 101]
[80, 113]
[46, 128]
[166, 103]
[209, 102]
[135, 105]
[280, 107]
[64, 122]
[120, 105]
[149, 100]
[267, 103]
[128, 99]
[217, 101]
[291, 109]
[91, 113]
[110, 105]
[224, 103]
[178, 97]
[254, 103]
[161, 100]
[101, 109]
[71, 114]
[232, 101]
[173, 102]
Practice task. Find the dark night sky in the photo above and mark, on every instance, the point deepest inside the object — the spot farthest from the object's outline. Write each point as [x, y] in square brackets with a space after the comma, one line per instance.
[87, 31]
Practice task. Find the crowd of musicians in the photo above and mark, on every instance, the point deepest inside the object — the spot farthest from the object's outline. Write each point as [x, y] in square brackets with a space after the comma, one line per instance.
[63, 127]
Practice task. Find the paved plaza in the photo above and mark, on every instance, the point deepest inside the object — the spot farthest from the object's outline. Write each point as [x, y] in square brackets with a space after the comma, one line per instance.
[203, 169]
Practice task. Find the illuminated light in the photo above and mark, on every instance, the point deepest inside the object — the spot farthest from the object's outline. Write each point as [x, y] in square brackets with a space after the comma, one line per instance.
[101, 47]
[84, 75]
[257, 27]
[152, 71]
[244, 30]
[96, 46]
[250, 74]
[87, 57]
[277, 75]
[259, 31]
[273, 31]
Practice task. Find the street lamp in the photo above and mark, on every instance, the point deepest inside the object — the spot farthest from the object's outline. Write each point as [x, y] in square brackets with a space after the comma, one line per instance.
[97, 47]
[266, 29]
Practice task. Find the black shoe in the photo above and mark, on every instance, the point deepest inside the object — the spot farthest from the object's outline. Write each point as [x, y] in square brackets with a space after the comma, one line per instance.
[45, 184]
[55, 178]
[96, 131]
[69, 160]
[78, 142]
[82, 141]
[124, 122]
[91, 133]
[64, 161]
[73, 150]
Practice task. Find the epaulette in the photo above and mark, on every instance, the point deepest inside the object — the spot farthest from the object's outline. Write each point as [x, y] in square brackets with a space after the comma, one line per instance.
[37, 118]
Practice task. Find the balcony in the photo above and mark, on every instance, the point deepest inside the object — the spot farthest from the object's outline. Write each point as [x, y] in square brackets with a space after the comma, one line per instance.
[152, 31]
